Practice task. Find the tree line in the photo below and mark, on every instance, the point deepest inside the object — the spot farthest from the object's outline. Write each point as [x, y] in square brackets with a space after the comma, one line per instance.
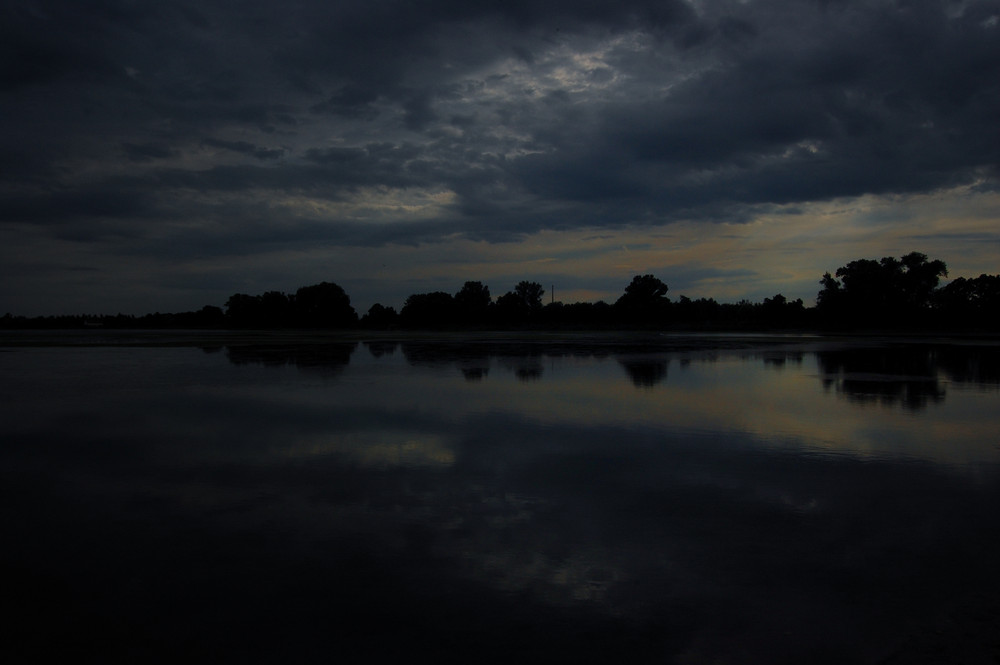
[888, 293]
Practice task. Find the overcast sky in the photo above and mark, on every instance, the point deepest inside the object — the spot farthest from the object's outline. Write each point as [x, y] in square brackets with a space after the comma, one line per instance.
[165, 155]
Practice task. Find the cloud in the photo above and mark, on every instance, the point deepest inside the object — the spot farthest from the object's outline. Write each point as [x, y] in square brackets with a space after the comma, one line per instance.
[374, 123]
[146, 152]
[246, 148]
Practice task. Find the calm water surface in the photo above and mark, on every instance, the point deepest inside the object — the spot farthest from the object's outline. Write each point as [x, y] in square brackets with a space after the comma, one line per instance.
[710, 500]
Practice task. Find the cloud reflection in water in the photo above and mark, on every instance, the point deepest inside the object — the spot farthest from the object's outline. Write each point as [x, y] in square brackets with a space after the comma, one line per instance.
[730, 508]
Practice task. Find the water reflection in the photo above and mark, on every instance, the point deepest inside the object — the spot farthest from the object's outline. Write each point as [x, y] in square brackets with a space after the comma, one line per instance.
[779, 359]
[970, 364]
[904, 376]
[475, 373]
[525, 368]
[910, 376]
[327, 358]
[468, 502]
[379, 349]
[645, 372]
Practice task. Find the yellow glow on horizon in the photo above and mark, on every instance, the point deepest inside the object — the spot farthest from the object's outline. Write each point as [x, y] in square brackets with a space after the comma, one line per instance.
[785, 250]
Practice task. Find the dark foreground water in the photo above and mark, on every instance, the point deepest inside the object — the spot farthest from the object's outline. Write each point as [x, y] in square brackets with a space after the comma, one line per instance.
[589, 499]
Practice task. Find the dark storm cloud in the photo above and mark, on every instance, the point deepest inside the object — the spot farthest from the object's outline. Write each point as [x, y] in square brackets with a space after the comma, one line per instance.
[245, 148]
[146, 152]
[886, 100]
[351, 101]
[88, 204]
[533, 115]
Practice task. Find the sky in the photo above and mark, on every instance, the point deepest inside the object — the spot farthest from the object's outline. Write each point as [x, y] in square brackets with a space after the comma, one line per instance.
[162, 156]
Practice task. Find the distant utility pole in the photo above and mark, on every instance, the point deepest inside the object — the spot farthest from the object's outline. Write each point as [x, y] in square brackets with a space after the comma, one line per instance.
[552, 296]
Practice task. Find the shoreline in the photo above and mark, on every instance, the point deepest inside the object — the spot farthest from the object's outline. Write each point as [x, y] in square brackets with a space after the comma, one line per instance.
[533, 337]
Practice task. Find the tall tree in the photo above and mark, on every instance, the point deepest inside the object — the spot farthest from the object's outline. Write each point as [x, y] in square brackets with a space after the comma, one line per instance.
[971, 302]
[243, 311]
[644, 301]
[473, 302]
[920, 277]
[889, 291]
[530, 295]
[428, 310]
[323, 305]
[380, 316]
[276, 309]
[646, 289]
[521, 305]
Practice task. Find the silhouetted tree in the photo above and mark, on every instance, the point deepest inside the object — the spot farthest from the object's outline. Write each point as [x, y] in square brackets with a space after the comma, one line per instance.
[472, 303]
[211, 316]
[645, 289]
[576, 315]
[779, 311]
[428, 310]
[970, 302]
[777, 302]
[885, 292]
[831, 297]
[380, 316]
[918, 278]
[323, 305]
[521, 305]
[206, 318]
[510, 310]
[644, 301]
[701, 312]
[865, 292]
[530, 294]
[276, 309]
[244, 311]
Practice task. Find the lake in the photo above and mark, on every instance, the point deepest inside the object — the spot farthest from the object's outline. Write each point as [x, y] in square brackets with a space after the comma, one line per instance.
[519, 498]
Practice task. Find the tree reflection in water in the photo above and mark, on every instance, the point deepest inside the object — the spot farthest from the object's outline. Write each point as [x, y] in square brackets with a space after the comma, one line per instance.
[327, 358]
[645, 372]
[911, 376]
[574, 504]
